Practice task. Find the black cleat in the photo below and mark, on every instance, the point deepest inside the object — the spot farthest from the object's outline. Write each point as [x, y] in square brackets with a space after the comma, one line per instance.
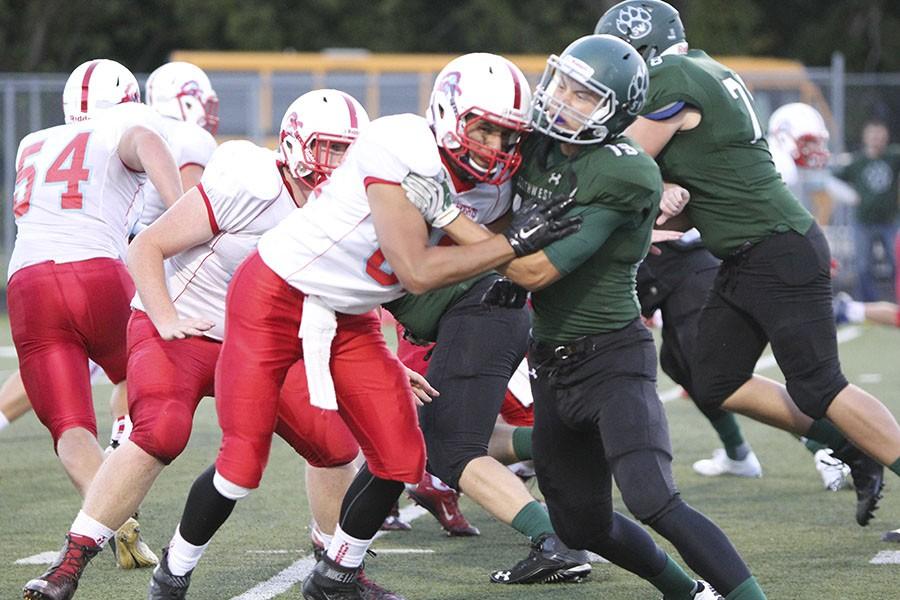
[331, 581]
[868, 479]
[550, 561]
[373, 591]
[60, 581]
[164, 585]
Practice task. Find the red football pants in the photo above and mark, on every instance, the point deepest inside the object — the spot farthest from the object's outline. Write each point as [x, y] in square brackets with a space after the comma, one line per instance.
[263, 315]
[61, 315]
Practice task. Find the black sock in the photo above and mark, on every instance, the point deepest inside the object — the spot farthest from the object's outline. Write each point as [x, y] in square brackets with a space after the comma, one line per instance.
[704, 547]
[366, 504]
[205, 510]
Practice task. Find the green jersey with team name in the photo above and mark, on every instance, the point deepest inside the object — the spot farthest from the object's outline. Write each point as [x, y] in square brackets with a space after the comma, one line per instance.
[616, 188]
[737, 196]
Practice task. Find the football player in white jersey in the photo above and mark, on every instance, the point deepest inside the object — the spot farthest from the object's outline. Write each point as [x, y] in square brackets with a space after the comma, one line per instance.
[77, 196]
[176, 327]
[305, 301]
[182, 93]
[479, 346]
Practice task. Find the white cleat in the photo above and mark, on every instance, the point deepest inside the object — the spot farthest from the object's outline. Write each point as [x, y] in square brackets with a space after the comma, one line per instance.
[835, 473]
[706, 592]
[720, 464]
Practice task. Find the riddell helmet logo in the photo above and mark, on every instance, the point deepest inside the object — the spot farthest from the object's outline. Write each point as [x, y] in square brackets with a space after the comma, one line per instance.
[634, 21]
[450, 84]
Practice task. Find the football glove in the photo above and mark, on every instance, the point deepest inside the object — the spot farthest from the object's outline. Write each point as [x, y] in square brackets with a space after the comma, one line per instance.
[537, 224]
[433, 198]
[503, 293]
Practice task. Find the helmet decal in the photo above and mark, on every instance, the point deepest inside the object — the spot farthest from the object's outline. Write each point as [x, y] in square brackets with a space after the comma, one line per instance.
[450, 84]
[637, 91]
[634, 21]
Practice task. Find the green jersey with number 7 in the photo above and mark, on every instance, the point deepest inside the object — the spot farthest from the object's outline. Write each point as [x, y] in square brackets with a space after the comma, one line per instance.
[737, 195]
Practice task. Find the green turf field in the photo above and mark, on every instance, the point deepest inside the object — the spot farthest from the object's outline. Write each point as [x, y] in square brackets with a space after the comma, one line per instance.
[800, 541]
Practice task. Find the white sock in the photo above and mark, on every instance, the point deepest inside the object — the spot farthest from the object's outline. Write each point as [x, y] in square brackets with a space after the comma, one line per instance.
[856, 312]
[347, 551]
[121, 429]
[92, 528]
[183, 555]
[4, 422]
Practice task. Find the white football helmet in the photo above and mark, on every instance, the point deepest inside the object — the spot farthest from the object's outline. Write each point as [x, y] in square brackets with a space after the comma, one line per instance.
[95, 85]
[800, 130]
[182, 91]
[480, 87]
[316, 130]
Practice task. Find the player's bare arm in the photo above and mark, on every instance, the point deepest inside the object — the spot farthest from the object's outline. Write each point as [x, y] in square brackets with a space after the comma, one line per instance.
[403, 238]
[190, 176]
[653, 136]
[141, 149]
[183, 226]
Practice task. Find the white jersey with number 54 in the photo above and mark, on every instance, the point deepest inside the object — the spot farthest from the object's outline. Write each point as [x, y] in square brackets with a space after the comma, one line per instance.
[329, 248]
[74, 198]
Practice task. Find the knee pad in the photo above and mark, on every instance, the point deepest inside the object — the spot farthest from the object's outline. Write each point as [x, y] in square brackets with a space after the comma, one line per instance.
[230, 490]
[814, 391]
[645, 479]
[166, 436]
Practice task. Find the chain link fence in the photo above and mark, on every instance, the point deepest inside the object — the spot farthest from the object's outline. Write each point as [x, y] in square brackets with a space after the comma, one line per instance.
[252, 102]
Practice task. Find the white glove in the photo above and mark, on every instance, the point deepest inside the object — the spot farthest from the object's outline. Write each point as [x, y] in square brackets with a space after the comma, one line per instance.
[433, 198]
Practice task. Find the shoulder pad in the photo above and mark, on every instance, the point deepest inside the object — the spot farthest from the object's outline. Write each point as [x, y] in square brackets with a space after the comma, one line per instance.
[240, 166]
[407, 137]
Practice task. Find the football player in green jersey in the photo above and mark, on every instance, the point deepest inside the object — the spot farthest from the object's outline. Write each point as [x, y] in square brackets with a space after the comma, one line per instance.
[774, 285]
[593, 363]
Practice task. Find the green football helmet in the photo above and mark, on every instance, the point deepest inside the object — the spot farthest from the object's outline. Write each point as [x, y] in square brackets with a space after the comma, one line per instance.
[651, 26]
[607, 67]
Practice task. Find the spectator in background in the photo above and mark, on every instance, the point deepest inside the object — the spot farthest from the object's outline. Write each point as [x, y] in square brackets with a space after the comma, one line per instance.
[873, 172]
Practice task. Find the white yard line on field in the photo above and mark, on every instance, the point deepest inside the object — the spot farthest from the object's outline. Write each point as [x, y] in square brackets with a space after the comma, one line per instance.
[297, 571]
[886, 557]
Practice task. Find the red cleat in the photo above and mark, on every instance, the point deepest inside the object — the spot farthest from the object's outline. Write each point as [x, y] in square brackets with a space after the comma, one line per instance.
[444, 505]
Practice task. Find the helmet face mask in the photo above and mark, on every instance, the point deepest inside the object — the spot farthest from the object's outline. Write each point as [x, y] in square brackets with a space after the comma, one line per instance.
[471, 150]
[195, 108]
[479, 111]
[800, 130]
[590, 93]
[316, 131]
[182, 91]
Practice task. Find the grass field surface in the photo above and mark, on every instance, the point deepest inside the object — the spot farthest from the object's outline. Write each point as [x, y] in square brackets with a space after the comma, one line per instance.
[800, 541]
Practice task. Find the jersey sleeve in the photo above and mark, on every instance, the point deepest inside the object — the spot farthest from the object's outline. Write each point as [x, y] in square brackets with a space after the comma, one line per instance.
[599, 223]
[670, 86]
[195, 147]
[240, 181]
[392, 147]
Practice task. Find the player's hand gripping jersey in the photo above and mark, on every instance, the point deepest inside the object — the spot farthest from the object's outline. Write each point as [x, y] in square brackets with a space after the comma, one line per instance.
[329, 248]
[191, 145]
[74, 198]
[737, 195]
[245, 196]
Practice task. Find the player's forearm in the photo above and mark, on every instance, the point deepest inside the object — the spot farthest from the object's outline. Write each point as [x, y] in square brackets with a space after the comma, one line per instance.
[525, 271]
[439, 266]
[146, 264]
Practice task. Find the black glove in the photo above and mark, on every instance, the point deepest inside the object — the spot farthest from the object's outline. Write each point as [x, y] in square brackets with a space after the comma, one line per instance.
[503, 293]
[536, 224]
